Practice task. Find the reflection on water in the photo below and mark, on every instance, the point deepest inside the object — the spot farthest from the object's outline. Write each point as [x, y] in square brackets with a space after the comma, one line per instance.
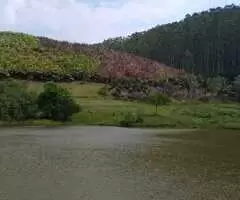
[118, 164]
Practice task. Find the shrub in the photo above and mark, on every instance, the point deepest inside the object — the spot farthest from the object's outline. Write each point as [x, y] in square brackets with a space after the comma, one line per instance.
[159, 99]
[16, 103]
[205, 99]
[103, 91]
[130, 119]
[116, 92]
[56, 103]
[216, 84]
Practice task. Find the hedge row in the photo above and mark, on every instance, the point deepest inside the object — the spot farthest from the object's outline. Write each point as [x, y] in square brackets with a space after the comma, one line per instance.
[53, 76]
[39, 75]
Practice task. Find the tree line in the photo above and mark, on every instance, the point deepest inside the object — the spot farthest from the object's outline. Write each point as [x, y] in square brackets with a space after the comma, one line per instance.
[187, 87]
[17, 103]
[207, 42]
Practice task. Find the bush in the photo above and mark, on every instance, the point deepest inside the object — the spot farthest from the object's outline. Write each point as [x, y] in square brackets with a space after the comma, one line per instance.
[116, 92]
[16, 103]
[56, 103]
[103, 91]
[131, 119]
[205, 99]
[159, 99]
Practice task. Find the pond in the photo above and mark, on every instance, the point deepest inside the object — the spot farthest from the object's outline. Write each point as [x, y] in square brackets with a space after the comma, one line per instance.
[106, 163]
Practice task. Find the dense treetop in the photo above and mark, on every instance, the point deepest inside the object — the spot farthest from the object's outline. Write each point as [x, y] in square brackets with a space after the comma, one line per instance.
[207, 42]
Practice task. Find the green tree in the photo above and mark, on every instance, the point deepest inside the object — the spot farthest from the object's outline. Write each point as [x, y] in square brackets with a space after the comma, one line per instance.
[103, 91]
[217, 84]
[203, 84]
[56, 103]
[16, 103]
[191, 83]
[159, 99]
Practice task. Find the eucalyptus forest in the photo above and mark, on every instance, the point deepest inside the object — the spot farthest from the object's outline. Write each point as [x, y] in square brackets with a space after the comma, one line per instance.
[207, 42]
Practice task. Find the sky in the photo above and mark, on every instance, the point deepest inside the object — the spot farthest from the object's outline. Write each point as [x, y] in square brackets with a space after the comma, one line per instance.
[91, 21]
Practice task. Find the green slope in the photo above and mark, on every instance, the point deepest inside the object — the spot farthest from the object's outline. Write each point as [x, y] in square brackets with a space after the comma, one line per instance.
[24, 56]
[23, 53]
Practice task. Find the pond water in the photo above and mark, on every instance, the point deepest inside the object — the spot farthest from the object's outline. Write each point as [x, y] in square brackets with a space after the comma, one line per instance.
[106, 163]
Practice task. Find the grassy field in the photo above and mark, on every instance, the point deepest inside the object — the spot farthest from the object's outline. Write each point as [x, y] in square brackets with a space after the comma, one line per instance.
[97, 110]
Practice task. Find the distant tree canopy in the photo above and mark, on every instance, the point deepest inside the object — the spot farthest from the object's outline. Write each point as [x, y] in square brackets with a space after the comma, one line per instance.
[206, 42]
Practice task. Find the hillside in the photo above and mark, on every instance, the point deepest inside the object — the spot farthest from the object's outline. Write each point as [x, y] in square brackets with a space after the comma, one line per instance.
[36, 58]
[206, 42]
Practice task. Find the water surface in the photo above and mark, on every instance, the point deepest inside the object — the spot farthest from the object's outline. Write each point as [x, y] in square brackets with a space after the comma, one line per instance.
[118, 164]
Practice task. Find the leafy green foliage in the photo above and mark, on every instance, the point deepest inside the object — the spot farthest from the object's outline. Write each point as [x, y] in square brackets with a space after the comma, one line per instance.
[216, 84]
[159, 99]
[56, 103]
[103, 91]
[18, 41]
[16, 103]
[21, 53]
[131, 119]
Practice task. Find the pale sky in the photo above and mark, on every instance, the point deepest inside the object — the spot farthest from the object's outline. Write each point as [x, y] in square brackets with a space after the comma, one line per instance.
[92, 21]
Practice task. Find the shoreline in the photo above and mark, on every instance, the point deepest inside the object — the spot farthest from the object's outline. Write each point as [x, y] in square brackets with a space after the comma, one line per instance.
[99, 111]
[53, 124]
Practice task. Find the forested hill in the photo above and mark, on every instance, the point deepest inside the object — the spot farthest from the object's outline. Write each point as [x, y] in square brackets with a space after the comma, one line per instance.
[206, 42]
[25, 56]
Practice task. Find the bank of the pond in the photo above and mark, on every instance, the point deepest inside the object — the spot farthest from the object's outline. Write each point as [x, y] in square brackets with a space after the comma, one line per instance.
[105, 111]
[174, 116]
[184, 115]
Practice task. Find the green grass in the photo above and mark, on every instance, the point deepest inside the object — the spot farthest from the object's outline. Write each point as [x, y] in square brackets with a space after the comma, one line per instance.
[107, 111]
[77, 89]
[22, 52]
